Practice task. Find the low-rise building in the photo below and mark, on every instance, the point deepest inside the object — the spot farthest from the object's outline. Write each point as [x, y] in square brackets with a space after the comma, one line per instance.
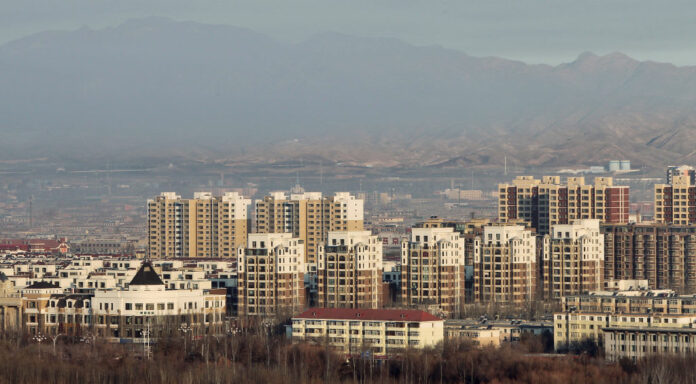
[380, 332]
[636, 343]
[585, 317]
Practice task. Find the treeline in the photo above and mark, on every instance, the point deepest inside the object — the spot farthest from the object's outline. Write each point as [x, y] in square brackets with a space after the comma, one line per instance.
[257, 357]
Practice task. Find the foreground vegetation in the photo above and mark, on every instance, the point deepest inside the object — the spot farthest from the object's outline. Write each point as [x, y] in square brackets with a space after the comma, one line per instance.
[258, 358]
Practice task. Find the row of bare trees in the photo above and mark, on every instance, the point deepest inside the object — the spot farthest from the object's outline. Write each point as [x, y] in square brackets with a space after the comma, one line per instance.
[263, 355]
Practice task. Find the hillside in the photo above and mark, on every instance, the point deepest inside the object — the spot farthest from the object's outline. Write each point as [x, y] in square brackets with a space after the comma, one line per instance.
[181, 88]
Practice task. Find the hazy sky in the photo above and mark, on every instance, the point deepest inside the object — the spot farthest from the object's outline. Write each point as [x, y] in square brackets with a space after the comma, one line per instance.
[535, 31]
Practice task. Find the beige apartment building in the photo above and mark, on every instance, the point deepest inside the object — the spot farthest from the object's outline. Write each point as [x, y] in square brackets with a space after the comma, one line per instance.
[432, 270]
[573, 327]
[382, 332]
[628, 323]
[349, 270]
[572, 259]
[309, 216]
[661, 302]
[547, 202]
[636, 343]
[204, 226]
[675, 203]
[270, 273]
[505, 267]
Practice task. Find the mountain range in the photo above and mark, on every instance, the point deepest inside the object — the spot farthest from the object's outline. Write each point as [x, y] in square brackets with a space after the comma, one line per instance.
[169, 88]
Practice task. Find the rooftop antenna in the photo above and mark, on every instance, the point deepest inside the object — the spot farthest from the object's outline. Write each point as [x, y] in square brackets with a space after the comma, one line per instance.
[321, 172]
[505, 165]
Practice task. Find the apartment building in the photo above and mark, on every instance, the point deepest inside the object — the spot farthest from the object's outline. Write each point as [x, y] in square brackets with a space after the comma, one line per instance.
[349, 270]
[432, 270]
[270, 275]
[586, 316]
[572, 259]
[575, 327]
[662, 254]
[675, 203]
[636, 343]
[661, 302]
[204, 226]
[309, 216]
[547, 202]
[382, 332]
[505, 267]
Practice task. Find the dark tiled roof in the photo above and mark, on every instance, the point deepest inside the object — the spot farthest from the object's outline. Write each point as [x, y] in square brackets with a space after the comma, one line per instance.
[146, 275]
[367, 314]
[42, 285]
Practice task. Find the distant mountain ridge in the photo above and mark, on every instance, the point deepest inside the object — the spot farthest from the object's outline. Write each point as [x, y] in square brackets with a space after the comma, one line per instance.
[164, 87]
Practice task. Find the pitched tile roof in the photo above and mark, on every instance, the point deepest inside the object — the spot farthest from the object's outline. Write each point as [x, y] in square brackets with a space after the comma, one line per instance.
[367, 314]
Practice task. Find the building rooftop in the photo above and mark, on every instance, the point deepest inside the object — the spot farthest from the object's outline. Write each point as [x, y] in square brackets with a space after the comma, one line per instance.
[146, 275]
[367, 314]
[42, 285]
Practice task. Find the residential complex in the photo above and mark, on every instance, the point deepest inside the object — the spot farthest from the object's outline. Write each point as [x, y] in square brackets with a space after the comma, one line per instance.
[572, 260]
[309, 216]
[206, 226]
[505, 266]
[547, 202]
[432, 270]
[270, 273]
[381, 332]
[123, 314]
[349, 270]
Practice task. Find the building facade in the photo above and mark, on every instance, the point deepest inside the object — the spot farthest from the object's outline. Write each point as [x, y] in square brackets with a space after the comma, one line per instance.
[547, 202]
[270, 274]
[572, 259]
[682, 170]
[675, 203]
[309, 217]
[145, 309]
[432, 270]
[349, 270]
[205, 226]
[662, 254]
[381, 332]
[505, 267]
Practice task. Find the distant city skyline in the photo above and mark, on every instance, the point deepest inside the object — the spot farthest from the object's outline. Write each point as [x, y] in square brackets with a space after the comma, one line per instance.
[532, 31]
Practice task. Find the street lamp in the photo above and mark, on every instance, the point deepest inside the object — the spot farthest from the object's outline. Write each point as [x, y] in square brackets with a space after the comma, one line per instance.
[39, 338]
[185, 328]
[55, 338]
